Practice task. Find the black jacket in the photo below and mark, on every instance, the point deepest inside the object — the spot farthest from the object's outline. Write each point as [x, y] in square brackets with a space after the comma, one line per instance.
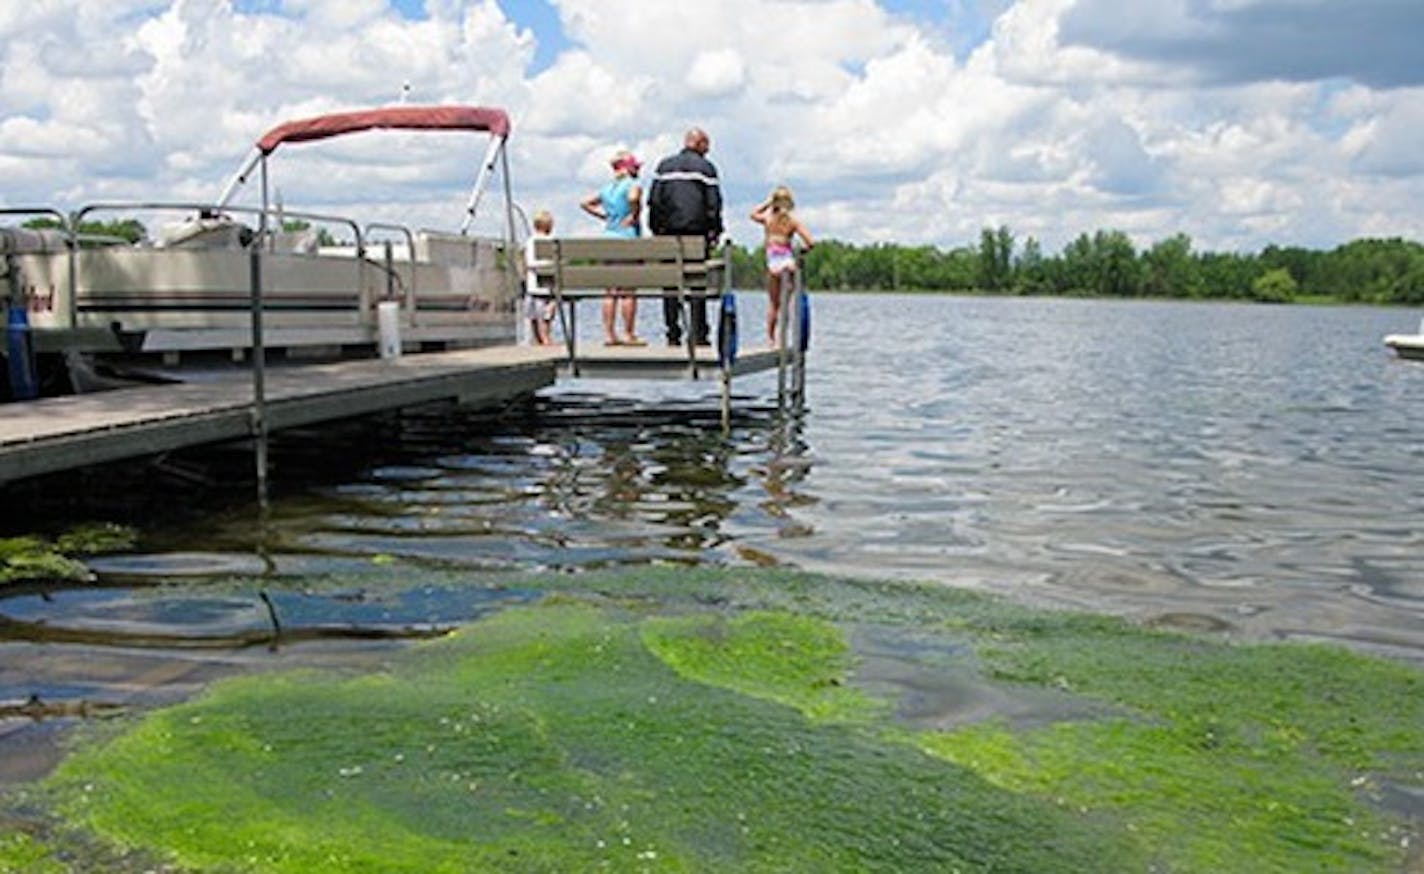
[686, 197]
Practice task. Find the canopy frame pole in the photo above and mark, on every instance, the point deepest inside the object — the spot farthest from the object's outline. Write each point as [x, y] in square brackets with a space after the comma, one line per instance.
[240, 178]
[496, 148]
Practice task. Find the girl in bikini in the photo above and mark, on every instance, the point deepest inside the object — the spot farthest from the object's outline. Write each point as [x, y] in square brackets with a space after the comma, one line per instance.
[774, 214]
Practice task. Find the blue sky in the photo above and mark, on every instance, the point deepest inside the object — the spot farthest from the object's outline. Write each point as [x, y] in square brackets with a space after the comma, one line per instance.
[922, 121]
[540, 17]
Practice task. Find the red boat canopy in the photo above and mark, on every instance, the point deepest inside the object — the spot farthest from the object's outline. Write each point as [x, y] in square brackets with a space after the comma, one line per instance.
[474, 118]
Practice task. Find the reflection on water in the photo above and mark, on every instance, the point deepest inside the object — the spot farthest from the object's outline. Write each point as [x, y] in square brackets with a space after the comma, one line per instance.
[584, 481]
[1253, 467]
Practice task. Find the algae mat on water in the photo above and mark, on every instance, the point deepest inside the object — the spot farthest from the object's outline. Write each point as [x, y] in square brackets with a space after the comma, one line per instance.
[574, 736]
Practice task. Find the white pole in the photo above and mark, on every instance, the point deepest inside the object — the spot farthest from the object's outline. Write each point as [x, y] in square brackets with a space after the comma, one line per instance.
[481, 180]
[239, 179]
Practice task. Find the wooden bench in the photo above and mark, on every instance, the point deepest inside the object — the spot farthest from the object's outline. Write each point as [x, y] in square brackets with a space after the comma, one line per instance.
[575, 267]
[569, 269]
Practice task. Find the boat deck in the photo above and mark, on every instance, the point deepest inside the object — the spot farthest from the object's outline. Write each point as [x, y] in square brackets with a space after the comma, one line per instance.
[53, 434]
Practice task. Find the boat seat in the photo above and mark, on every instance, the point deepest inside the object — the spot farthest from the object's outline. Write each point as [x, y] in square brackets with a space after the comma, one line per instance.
[303, 242]
[203, 233]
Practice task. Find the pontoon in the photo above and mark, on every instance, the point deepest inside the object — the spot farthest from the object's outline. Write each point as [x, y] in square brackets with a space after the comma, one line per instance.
[192, 292]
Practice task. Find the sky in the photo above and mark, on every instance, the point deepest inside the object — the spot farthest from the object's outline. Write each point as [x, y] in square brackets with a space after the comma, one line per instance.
[1236, 122]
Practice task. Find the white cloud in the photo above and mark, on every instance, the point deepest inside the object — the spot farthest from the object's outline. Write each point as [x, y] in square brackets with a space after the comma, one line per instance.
[1209, 118]
[1388, 142]
[719, 73]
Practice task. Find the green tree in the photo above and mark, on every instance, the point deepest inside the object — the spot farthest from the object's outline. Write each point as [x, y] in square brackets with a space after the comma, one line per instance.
[996, 252]
[1169, 269]
[1031, 271]
[1227, 275]
[130, 230]
[1118, 272]
[1274, 286]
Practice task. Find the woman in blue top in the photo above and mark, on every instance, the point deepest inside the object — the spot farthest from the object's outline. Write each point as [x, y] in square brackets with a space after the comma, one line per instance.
[620, 205]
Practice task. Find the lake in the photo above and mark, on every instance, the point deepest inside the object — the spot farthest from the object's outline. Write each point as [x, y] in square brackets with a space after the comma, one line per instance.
[1259, 465]
[1246, 468]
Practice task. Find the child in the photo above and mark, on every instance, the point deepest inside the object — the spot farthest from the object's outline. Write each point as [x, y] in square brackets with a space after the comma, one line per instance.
[539, 311]
[774, 214]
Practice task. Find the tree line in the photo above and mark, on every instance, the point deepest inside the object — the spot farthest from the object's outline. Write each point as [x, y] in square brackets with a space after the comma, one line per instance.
[1102, 264]
[1108, 264]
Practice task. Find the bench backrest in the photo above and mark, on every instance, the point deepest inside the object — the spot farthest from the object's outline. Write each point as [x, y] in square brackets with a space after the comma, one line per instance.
[578, 263]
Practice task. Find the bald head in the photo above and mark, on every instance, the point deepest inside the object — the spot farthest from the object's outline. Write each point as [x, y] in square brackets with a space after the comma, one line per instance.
[696, 139]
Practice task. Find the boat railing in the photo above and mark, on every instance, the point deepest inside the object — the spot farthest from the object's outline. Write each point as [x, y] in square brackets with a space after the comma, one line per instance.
[392, 276]
[264, 235]
[262, 238]
[39, 211]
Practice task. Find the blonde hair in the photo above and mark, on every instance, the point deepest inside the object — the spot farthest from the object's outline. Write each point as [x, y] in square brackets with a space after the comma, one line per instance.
[782, 200]
[543, 221]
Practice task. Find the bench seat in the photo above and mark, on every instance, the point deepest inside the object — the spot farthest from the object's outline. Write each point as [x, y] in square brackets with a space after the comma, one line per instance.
[592, 264]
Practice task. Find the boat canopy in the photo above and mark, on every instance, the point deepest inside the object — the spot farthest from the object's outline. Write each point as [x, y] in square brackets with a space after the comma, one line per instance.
[472, 118]
[452, 117]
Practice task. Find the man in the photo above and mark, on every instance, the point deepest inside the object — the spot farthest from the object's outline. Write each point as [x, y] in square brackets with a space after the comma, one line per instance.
[686, 199]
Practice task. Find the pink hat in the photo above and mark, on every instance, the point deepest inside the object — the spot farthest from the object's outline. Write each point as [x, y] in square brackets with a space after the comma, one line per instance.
[625, 160]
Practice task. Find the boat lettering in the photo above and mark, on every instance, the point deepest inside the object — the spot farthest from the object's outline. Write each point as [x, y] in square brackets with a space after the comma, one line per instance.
[41, 301]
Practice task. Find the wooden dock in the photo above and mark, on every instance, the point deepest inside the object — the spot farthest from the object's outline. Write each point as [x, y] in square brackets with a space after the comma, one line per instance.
[656, 361]
[52, 434]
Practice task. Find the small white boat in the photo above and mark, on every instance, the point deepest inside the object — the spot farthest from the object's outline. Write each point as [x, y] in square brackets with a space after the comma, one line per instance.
[191, 290]
[1407, 345]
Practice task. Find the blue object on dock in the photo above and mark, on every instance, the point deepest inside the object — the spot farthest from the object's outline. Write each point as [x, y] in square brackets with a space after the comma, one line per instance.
[727, 331]
[805, 319]
[20, 351]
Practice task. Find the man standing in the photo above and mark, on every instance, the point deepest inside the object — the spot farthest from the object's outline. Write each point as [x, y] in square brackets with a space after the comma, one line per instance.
[686, 199]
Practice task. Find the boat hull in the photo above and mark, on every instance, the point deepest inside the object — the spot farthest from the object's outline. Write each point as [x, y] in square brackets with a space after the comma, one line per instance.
[146, 300]
[1409, 346]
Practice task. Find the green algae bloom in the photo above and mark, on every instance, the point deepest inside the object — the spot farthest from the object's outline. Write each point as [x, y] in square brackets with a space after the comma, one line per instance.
[32, 557]
[21, 854]
[551, 739]
[724, 721]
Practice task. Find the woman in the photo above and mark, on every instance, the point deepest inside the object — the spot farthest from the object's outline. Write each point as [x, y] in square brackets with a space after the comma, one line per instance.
[620, 205]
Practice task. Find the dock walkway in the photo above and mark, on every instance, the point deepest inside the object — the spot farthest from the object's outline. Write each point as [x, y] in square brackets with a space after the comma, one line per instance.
[52, 434]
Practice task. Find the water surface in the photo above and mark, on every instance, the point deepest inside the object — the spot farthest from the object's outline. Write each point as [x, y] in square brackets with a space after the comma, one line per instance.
[1213, 465]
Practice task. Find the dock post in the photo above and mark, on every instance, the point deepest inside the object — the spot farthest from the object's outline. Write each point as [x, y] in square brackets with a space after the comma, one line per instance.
[798, 377]
[568, 323]
[259, 350]
[726, 401]
[259, 376]
[782, 321]
[723, 343]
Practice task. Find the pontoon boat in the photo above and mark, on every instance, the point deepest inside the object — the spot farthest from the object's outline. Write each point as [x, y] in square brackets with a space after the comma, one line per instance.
[191, 293]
